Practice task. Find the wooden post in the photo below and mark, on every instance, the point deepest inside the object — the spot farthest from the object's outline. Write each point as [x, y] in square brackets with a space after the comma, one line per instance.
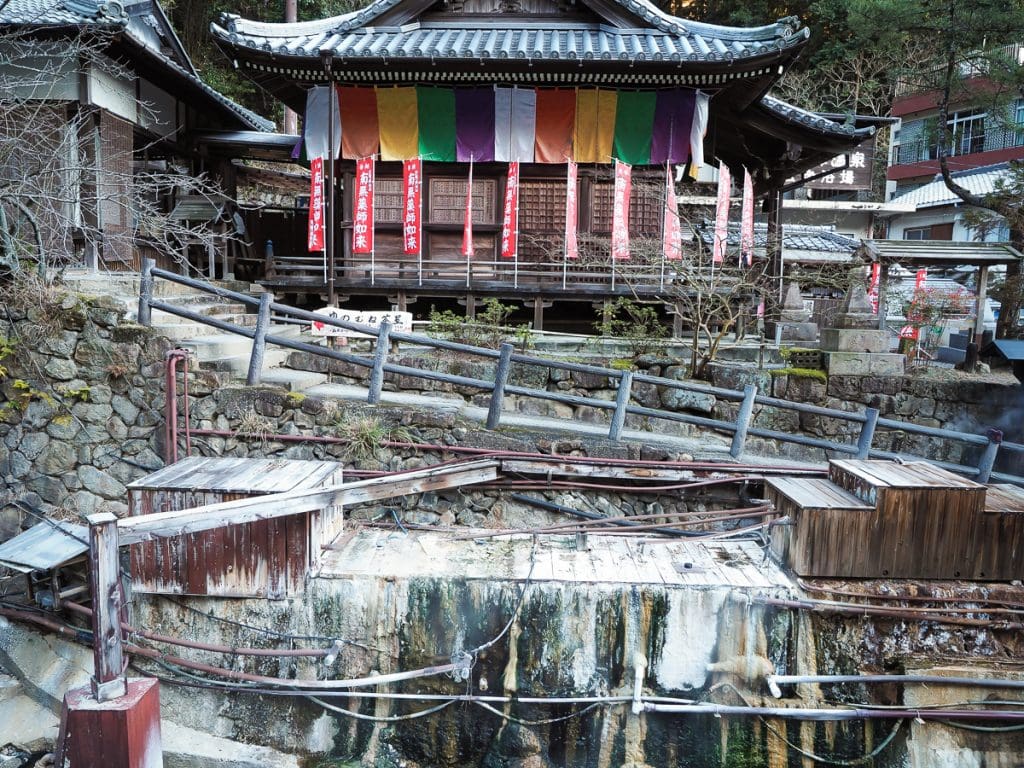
[501, 371]
[105, 581]
[982, 295]
[988, 457]
[259, 340]
[380, 356]
[621, 404]
[867, 433]
[739, 437]
[146, 292]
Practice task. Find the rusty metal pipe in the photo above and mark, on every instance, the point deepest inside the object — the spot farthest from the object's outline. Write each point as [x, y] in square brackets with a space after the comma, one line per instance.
[211, 647]
[824, 606]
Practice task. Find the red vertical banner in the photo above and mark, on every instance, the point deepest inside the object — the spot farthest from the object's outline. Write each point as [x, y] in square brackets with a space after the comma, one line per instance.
[510, 216]
[412, 225]
[467, 224]
[572, 248]
[671, 232]
[876, 274]
[316, 204]
[362, 220]
[721, 215]
[747, 221]
[620, 211]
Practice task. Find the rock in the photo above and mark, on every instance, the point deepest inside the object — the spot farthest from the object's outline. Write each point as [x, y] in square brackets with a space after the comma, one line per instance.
[58, 458]
[92, 413]
[422, 517]
[101, 483]
[687, 400]
[116, 429]
[50, 489]
[61, 369]
[124, 408]
[515, 746]
[84, 503]
[33, 444]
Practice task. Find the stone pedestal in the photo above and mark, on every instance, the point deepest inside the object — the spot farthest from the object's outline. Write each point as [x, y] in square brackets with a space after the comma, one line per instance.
[864, 363]
[855, 347]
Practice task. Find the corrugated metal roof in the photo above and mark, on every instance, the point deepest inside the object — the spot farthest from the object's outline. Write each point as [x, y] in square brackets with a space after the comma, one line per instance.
[668, 38]
[948, 252]
[795, 237]
[44, 546]
[1011, 349]
[140, 26]
[978, 181]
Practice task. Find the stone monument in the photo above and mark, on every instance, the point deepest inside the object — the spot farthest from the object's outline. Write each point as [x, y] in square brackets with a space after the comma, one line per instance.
[855, 346]
[795, 320]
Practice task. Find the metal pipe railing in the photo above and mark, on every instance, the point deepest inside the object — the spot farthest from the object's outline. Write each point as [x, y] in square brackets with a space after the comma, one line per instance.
[377, 366]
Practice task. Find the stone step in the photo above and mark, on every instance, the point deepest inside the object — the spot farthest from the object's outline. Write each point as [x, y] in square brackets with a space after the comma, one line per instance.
[185, 330]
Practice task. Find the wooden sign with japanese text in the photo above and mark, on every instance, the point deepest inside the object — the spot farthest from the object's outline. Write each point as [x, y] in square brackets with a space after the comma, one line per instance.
[400, 322]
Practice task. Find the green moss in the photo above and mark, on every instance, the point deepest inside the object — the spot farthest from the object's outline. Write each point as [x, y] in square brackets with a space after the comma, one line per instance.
[294, 399]
[801, 373]
[621, 364]
[81, 394]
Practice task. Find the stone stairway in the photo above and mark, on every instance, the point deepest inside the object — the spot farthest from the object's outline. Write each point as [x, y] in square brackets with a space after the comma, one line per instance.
[214, 349]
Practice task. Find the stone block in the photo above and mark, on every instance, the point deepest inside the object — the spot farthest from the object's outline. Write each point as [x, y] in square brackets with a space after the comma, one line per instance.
[792, 331]
[854, 340]
[687, 400]
[864, 364]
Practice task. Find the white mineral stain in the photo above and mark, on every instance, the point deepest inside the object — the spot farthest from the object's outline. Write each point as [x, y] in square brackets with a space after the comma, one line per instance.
[691, 633]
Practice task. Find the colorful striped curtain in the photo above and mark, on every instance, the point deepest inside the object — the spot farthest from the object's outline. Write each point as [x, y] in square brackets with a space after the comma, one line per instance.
[544, 125]
[515, 124]
[556, 118]
[436, 110]
[398, 116]
[474, 124]
[595, 125]
[673, 116]
[360, 136]
[634, 123]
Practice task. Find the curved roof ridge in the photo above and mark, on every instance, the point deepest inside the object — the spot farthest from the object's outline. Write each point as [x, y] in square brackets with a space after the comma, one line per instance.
[785, 29]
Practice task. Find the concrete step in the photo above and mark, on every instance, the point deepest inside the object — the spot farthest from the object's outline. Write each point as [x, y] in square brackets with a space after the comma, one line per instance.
[238, 364]
[292, 380]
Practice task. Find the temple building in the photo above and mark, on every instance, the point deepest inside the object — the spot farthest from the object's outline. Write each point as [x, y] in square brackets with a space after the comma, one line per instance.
[559, 96]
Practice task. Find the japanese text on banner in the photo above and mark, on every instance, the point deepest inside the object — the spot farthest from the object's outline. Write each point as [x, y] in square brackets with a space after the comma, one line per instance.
[572, 250]
[620, 211]
[747, 221]
[316, 204]
[362, 219]
[671, 246]
[721, 215]
[510, 216]
[412, 230]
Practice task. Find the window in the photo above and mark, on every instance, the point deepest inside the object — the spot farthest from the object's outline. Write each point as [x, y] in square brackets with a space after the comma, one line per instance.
[931, 232]
[1018, 119]
[968, 129]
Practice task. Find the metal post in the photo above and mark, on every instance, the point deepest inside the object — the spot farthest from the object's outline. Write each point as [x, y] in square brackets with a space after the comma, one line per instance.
[332, 298]
[500, 379]
[380, 356]
[259, 340]
[739, 437]
[867, 433]
[621, 404]
[146, 292]
[988, 457]
[105, 582]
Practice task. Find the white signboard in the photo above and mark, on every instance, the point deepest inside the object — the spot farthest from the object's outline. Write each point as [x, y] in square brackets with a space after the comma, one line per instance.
[400, 321]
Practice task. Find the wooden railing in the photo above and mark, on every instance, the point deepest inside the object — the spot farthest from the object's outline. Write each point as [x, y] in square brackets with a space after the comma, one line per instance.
[867, 421]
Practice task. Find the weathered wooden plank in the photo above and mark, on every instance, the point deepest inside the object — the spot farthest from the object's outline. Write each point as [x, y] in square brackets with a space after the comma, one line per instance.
[137, 529]
[105, 584]
[575, 469]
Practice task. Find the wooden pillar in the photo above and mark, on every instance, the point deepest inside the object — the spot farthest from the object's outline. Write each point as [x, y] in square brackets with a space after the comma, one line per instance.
[113, 722]
[982, 296]
[776, 267]
[120, 733]
[539, 306]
